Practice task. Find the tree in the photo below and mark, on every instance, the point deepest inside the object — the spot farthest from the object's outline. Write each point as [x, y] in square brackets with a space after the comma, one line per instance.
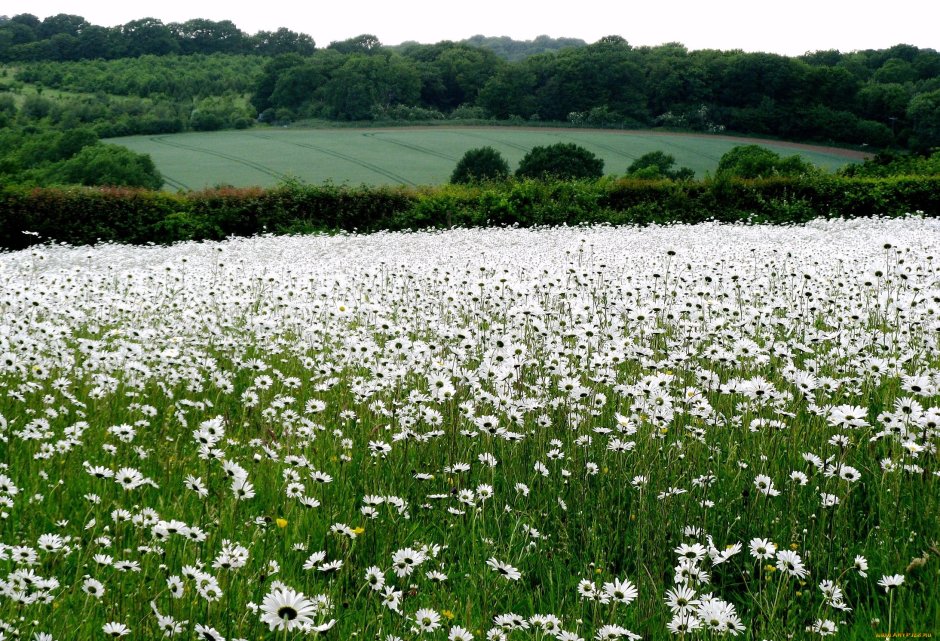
[267, 82]
[110, 165]
[754, 161]
[35, 107]
[7, 109]
[883, 102]
[606, 73]
[658, 164]
[480, 165]
[365, 43]
[509, 92]
[924, 114]
[674, 78]
[148, 35]
[366, 83]
[275, 43]
[206, 36]
[750, 78]
[451, 74]
[62, 23]
[99, 42]
[564, 161]
[297, 85]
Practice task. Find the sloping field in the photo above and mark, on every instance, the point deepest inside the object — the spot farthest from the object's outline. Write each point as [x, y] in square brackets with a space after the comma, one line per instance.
[414, 156]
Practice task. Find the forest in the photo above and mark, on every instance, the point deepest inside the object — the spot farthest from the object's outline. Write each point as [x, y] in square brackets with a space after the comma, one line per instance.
[146, 77]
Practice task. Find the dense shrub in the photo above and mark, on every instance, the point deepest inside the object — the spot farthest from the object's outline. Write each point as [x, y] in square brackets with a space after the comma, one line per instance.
[480, 165]
[658, 164]
[88, 215]
[755, 161]
[561, 161]
[887, 163]
[111, 165]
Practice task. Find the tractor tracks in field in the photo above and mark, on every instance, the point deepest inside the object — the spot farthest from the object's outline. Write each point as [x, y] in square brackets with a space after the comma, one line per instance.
[498, 141]
[411, 146]
[341, 156]
[218, 154]
[690, 150]
[599, 145]
[176, 184]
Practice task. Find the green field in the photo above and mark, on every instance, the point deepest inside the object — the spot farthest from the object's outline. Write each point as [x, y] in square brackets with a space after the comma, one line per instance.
[412, 156]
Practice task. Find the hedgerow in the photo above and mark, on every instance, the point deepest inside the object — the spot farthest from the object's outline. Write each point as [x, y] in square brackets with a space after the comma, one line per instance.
[79, 215]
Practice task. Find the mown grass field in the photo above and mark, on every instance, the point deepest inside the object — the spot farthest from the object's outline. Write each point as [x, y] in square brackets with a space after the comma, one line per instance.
[412, 156]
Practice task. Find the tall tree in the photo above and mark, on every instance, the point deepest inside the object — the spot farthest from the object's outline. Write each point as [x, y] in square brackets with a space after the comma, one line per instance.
[148, 36]
[367, 83]
[365, 43]
[282, 41]
[206, 36]
[924, 114]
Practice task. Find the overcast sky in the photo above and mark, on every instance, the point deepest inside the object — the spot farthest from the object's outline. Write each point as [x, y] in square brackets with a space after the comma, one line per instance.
[789, 27]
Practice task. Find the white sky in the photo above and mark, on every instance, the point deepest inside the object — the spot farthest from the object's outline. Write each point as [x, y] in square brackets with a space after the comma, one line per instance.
[789, 27]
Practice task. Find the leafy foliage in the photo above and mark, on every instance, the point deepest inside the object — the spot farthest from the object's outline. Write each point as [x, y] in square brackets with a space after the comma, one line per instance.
[84, 215]
[562, 161]
[515, 50]
[110, 165]
[876, 98]
[887, 164]
[658, 164]
[754, 161]
[69, 37]
[924, 114]
[480, 165]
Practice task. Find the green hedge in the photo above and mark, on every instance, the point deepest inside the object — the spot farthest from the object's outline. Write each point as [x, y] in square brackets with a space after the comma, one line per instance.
[88, 215]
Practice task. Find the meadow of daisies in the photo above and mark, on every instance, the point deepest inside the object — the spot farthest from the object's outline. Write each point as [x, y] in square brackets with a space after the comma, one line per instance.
[683, 432]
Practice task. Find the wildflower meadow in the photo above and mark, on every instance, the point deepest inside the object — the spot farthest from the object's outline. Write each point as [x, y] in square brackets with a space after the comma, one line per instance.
[572, 433]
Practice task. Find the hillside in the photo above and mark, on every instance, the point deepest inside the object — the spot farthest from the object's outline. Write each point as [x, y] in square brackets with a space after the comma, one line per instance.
[150, 78]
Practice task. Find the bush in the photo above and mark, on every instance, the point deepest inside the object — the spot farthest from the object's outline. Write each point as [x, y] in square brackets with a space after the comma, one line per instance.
[886, 164]
[562, 161]
[87, 215]
[754, 161]
[468, 112]
[480, 165]
[206, 121]
[658, 165]
[111, 165]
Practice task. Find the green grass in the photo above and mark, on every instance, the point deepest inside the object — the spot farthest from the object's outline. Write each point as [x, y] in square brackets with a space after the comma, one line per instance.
[412, 156]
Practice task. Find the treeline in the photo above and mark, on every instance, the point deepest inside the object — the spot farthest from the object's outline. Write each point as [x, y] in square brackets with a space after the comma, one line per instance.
[172, 76]
[63, 37]
[878, 98]
[87, 215]
[195, 76]
[885, 98]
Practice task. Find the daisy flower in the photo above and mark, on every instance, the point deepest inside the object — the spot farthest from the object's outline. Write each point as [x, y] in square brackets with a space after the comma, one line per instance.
[620, 591]
[791, 563]
[893, 581]
[505, 569]
[428, 620]
[115, 629]
[286, 609]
